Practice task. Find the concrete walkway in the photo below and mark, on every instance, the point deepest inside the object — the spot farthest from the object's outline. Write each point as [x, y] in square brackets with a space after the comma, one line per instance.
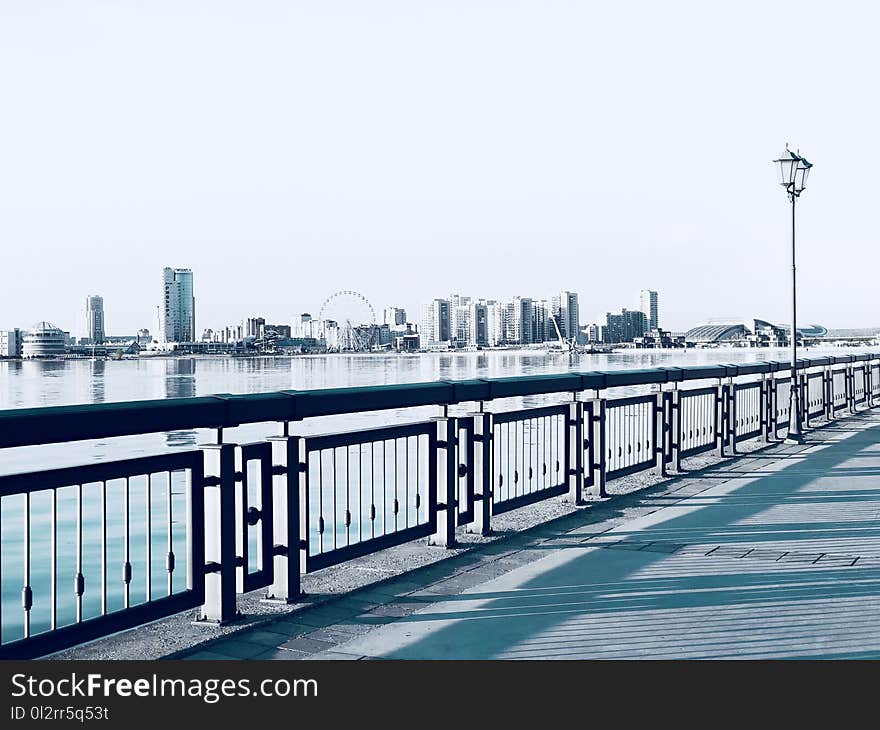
[772, 555]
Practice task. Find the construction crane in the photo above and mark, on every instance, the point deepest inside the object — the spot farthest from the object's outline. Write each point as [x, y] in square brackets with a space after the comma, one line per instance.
[564, 343]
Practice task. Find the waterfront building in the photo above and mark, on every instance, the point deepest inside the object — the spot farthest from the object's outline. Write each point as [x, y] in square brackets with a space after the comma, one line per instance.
[624, 327]
[494, 323]
[177, 312]
[394, 316]
[752, 333]
[478, 319]
[659, 339]
[44, 340]
[593, 333]
[435, 327]
[11, 342]
[95, 319]
[650, 306]
[565, 307]
[279, 331]
[520, 317]
[459, 320]
[542, 321]
[144, 337]
[253, 326]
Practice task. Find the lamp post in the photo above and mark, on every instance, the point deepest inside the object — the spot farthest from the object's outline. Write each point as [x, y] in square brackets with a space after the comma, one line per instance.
[793, 173]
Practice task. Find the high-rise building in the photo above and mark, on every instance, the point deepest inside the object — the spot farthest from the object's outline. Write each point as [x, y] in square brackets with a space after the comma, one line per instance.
[650, 307]
[395, 316]
[435, 325]
[95, 319]
[542, 327]
[565, 307]
[177, 312]
[478, 316]
[459, 319]
[494, 323]
[11, 342]
[520, 324]
[624, 327]
[253, 326]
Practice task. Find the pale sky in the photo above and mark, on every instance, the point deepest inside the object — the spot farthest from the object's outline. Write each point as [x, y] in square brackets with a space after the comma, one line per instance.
[407, 150]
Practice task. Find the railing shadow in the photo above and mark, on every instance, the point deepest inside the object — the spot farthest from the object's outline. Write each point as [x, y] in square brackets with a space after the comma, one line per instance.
[616, 603]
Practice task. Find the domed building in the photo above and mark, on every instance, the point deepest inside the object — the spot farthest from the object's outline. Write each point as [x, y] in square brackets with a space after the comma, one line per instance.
[44, 340]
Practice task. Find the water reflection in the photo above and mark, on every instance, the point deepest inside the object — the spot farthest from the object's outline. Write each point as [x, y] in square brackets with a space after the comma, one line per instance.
[180, 382]
[96, 382]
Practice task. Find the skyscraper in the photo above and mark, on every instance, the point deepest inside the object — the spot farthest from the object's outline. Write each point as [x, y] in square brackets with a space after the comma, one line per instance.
[95, 319]
[565, 307]
[435, 322]
[650, 308]
[395, 316]
[177, 312]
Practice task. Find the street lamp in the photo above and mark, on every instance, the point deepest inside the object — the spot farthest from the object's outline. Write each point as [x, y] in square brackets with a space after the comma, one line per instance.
[793, 173]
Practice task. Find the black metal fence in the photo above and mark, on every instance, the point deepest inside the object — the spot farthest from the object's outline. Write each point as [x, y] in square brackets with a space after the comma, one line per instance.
[108, 546]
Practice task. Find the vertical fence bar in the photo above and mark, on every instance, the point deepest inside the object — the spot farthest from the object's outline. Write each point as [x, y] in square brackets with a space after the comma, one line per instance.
[484, 469]
[79, 585]
[289, 491]
[220, 526]
[53, 561]
[27, 594]
[169, 554]
[104, 548]
[148, 548]
[447, 481]
[574, 451]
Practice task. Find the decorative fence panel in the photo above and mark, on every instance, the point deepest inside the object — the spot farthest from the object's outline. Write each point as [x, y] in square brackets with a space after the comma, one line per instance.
[82, 575]
[529, 456]
[369, 490]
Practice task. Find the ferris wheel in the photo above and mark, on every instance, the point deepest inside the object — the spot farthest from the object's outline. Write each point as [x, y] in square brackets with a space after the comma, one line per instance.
[348, 322]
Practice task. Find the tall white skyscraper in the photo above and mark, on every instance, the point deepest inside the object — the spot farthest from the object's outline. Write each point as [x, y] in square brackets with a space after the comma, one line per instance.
[565, 308]
[650, 307]
[177, 311]
[435, 326]
[95, 319]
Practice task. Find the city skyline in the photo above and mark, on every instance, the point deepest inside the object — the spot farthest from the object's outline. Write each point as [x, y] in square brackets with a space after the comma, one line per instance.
[558, 169]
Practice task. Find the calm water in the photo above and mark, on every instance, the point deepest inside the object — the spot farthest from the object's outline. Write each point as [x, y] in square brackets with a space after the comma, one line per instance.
[33, 384]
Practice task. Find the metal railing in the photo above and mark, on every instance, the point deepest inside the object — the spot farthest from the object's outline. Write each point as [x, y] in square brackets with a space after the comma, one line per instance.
[91, 550]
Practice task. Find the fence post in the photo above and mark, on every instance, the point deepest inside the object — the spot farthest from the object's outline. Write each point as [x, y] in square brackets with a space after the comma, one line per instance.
[803, 400]
[869, 385]
[850, 387]
[574, 449]
[660, 433]
[731, 416]
[220, 563]
[447, 482]
[598, 452]
[483, 475]
[763, 410]
[675, 429]
[720, 397]
[289, 490]
[828, 393]
[806, 401]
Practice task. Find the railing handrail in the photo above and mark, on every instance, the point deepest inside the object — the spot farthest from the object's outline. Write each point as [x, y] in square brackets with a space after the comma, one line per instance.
[60, 424]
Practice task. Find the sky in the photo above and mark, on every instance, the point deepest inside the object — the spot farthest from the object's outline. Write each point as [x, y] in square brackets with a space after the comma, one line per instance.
[409, 150]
